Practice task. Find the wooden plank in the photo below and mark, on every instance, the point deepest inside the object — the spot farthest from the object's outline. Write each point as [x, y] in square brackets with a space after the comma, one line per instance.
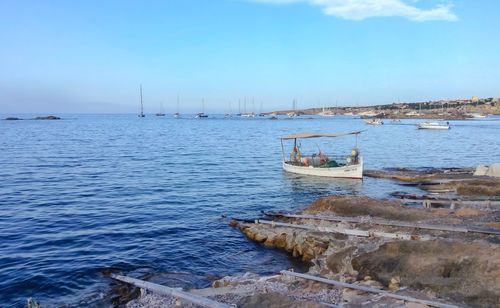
[392, 223]
[163, 290]
[458, 202]
[368, 289]
[354, 232]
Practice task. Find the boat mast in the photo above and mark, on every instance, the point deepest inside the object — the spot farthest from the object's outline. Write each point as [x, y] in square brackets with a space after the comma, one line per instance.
[177, 103]
[142, 106]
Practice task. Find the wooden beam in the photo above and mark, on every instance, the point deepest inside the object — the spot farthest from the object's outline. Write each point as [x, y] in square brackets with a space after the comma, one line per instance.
[375, 221]
[354, 232]
[368, 289]
[159, 289]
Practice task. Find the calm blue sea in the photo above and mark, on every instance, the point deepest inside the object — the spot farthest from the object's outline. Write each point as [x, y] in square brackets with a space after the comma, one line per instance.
[93, 192]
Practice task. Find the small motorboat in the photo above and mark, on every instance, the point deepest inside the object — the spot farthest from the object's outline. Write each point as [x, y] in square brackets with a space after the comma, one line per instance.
[433, 125]
[321, 164]
[374, 121]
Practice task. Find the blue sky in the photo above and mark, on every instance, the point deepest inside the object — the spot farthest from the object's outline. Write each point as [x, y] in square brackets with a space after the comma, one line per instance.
[91, 56]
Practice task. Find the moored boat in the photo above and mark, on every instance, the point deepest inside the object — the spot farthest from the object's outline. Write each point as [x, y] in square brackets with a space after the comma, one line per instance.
[321, 164]
[201, 115]
[374, 121]
[433, 125]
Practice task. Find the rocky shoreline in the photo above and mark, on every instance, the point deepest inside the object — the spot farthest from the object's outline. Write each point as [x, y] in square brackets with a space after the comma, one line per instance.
[448, 255]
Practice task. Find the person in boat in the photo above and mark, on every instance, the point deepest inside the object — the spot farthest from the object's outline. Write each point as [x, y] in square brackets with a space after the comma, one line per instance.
[295, 155]
[353, 159]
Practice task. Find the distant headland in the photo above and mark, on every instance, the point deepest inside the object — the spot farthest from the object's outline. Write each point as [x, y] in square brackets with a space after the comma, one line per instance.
[456, 109]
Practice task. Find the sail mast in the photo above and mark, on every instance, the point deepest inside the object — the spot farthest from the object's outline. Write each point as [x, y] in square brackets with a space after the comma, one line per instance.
[142, 106]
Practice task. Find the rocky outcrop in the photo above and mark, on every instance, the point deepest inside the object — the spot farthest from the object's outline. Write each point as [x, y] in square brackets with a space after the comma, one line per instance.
[492, 170]
[50, 117]
[364, 206]
[461, 267]
[466, 272]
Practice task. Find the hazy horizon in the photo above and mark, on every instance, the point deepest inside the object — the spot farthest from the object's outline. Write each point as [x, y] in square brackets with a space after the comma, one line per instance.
[90, 57]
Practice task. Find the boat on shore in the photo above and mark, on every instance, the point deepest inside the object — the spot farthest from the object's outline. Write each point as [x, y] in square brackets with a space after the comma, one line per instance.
[322, 164]
[433, 125]
[374, 121]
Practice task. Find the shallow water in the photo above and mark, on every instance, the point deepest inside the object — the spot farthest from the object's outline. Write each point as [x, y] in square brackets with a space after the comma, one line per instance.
[93, 192]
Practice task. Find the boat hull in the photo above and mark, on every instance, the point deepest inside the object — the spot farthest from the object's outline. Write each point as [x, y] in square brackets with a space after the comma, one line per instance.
[423, 126]
[351, 171]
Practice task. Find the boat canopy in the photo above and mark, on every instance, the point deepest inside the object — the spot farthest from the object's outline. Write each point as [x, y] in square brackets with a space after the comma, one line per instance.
[318, 135]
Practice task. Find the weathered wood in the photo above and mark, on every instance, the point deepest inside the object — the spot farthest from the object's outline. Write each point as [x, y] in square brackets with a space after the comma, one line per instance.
[354, 232]
[392, 223]
[368, 289]
[159, 289]
[483, 203]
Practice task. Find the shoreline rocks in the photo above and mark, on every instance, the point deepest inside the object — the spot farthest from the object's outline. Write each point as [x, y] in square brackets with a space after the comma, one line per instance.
[460, 268]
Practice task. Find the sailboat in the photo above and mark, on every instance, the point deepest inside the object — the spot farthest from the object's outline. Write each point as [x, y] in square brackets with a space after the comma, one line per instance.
[293, 114]
[141, 115]
[161, 113]
[230, 114]
[261, 114]
[202, 114]
[177, 114]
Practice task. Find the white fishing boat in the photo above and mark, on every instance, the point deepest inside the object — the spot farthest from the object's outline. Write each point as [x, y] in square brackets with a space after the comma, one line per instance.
[374, 121]
[322, 164]
[433, 125]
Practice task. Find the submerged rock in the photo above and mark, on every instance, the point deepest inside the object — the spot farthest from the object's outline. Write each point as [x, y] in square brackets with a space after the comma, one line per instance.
[12, 119]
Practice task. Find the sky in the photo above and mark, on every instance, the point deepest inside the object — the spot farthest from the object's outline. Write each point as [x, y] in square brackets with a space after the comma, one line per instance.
[91, 56]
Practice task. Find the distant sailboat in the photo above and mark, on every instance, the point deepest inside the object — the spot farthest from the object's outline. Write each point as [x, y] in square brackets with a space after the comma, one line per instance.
[177, 114]
[230, 114]
[141, 115]
[161, 113]
[294, 113]
[202, 114]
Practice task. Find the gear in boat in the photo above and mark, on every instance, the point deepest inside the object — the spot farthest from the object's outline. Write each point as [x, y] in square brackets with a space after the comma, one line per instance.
[320, 163]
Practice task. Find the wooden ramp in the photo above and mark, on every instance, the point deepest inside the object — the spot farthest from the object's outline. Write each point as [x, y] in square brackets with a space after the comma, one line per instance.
[162, 290]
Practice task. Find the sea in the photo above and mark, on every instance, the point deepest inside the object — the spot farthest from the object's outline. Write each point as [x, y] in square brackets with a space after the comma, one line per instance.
[151, 197]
